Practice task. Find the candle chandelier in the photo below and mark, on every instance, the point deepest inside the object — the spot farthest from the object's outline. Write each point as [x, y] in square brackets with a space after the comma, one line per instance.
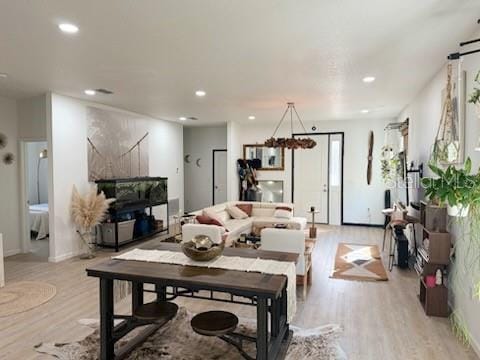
[291, 142]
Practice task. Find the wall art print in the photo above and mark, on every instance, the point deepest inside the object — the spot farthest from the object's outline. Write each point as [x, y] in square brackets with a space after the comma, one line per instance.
[117, 145]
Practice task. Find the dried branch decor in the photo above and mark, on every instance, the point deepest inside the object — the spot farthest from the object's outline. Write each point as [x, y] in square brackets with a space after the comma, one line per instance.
[291, 142]
[87, 212]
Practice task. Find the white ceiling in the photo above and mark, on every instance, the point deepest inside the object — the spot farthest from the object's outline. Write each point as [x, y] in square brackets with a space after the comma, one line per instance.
[250, 56]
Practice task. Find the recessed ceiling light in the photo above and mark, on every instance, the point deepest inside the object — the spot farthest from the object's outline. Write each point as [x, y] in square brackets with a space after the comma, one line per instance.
[68, 28]
[200, 93]
[183, 118]
[369, 79]
[251, 117]
[365, 111]
[90, 92]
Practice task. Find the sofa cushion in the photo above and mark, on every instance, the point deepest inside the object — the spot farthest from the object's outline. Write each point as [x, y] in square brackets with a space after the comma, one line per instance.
[297, 223]
[262, 212]
[246, 208]
[236, 213]
[239, 226]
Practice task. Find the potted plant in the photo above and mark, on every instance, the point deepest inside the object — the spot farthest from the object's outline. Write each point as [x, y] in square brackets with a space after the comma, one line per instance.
[456, 188]
[87, 212]
[475, 95]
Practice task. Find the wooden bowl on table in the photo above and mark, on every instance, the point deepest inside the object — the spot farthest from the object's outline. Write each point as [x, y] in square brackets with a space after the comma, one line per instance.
[202, 249]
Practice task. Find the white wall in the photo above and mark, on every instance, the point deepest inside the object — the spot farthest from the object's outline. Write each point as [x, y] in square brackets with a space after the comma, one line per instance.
[32, 115]
[67, 137]
[198, 142]
[424, 113]
[9, 188]
[362, 203]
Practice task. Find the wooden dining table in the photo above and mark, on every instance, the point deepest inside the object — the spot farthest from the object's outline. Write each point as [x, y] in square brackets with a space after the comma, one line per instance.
[268, 293]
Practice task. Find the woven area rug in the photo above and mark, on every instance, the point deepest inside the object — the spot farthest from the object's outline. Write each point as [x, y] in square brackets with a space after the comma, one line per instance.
[359, 262]
[23, 296]
[176, 340]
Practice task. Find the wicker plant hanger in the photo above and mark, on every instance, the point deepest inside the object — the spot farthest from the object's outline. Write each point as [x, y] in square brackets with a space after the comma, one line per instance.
[447, 138]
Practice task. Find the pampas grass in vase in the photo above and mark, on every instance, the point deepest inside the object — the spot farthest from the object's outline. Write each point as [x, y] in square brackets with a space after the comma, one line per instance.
[87, 212]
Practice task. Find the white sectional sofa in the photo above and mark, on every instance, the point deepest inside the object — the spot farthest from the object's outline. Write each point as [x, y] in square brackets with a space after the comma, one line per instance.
[262, 216]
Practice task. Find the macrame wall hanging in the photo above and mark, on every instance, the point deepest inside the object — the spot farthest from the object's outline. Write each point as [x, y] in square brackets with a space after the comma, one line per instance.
[446, 149]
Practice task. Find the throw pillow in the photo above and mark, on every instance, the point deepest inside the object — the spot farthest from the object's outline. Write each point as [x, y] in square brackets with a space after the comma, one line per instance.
[207, 220]
[286, 208]
[283, 214]
[214, 217]
[236, 212]
[203, 219]
[246, 208]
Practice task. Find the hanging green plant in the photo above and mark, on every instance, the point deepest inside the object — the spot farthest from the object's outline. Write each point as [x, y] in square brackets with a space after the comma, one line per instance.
[390, 164]
[474, 97]
[456, 188]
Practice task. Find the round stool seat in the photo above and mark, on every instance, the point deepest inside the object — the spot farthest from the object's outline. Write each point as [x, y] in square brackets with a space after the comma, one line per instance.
[214, 323]
[156, 311]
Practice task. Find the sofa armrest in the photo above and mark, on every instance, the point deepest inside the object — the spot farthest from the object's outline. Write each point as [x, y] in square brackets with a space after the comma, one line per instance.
[213, 231]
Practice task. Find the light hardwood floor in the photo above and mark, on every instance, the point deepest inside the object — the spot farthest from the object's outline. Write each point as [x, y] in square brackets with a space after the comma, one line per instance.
[381, 320]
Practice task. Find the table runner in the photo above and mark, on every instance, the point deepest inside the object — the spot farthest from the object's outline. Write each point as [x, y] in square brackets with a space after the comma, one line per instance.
[272, 267]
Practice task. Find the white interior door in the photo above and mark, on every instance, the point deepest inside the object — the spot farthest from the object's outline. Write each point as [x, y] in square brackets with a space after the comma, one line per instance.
[335, 180]
[310, 180]
[219, 177]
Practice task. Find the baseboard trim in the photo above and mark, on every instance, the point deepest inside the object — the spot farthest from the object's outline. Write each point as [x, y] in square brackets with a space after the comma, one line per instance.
[12, 252]
[365, 225]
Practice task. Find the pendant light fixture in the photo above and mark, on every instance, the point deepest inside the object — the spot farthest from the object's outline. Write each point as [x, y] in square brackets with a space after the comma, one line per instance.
[291, 142]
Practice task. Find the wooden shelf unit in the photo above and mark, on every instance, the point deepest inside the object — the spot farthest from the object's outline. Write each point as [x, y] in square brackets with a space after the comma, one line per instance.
[433, 254]
[434, 300]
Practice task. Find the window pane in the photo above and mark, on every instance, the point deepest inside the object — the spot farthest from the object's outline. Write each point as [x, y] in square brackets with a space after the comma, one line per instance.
[335, 163]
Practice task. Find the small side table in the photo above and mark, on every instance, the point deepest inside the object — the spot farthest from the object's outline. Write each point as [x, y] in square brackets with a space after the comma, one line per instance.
[313, 228]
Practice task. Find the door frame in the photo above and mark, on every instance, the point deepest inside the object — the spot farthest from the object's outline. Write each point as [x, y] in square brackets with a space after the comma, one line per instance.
[214, 151]
[24, 215]
[329, 134]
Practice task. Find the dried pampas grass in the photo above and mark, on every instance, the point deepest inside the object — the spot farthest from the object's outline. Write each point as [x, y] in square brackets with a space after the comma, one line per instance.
[89, 210]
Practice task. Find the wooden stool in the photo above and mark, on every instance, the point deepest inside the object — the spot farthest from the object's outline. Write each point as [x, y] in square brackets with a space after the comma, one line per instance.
[221, 324]
[156, 311]
[214, 323]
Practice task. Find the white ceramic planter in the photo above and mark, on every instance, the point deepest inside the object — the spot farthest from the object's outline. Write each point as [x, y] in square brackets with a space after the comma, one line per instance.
[458, 211]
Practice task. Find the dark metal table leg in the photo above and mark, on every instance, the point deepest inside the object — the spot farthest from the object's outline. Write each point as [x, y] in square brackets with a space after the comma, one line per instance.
[262, 329]
[275, 317]
[106, 320]
[137, 295]
[161, 292]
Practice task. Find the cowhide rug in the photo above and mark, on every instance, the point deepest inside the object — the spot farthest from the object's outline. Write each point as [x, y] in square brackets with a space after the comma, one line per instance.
[177, 340]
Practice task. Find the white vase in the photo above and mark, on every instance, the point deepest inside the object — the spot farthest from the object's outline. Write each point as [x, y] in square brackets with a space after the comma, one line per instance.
[458, 210]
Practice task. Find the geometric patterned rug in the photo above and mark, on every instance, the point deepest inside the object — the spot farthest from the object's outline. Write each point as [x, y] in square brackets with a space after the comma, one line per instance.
[359, 262]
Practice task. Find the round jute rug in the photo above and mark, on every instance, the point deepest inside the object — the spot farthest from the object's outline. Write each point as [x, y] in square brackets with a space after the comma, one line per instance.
[23, 296]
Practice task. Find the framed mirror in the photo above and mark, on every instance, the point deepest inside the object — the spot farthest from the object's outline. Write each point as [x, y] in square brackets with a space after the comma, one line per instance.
[270, 190]
[270, 158]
